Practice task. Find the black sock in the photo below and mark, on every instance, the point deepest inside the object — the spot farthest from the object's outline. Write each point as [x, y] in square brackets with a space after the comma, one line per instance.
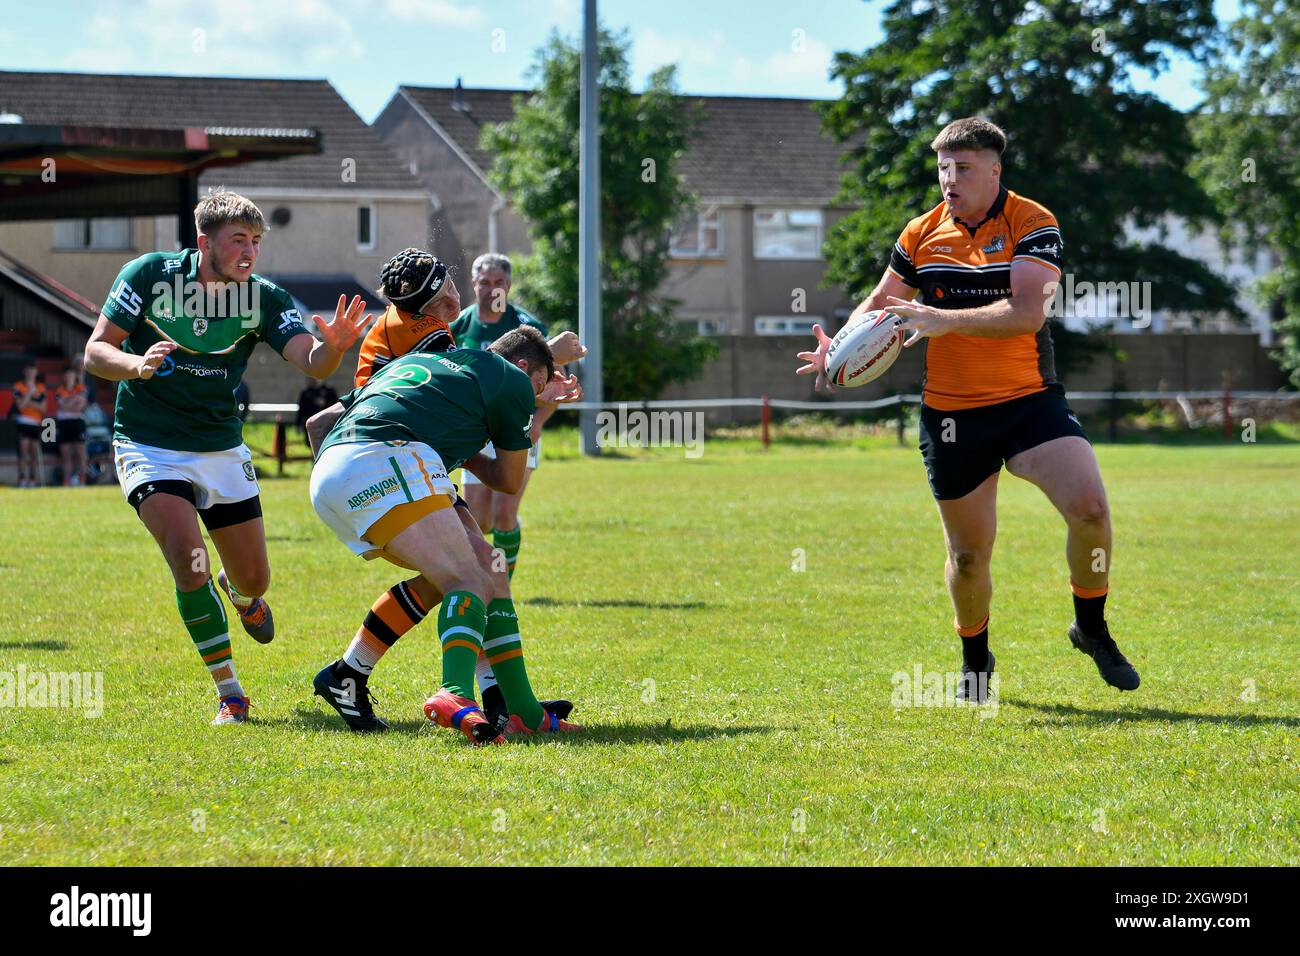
[1090, 614]
[493, 699]
[975, 650]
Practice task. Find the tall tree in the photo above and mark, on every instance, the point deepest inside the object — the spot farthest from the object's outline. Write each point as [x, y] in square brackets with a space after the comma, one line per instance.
[1055, 74]
[1248, 135]
[642, 198]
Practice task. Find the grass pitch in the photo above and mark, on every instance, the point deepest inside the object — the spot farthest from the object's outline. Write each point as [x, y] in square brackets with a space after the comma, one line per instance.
[740, 711]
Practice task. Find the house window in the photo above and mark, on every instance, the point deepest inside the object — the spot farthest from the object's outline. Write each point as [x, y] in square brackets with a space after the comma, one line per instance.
[365, 228]
[786, 324]
[704, 326]
[787, 233]
[700, 235]
[92, 234]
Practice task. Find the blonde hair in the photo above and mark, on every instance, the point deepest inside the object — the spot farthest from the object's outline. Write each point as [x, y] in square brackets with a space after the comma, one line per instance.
[221, 206]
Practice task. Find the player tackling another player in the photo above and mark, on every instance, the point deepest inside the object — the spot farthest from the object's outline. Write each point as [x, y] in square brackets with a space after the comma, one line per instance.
[381, 484]
[985, 264]
[176, 332]
[423, 303]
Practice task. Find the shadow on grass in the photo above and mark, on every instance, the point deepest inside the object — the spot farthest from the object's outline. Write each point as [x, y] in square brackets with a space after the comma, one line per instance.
[1083, 714]
[658, 733]
[36, 645]
[657, 605]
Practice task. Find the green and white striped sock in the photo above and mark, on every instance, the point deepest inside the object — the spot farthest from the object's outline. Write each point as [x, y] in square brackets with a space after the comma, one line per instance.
[508, 542]
[204, 617]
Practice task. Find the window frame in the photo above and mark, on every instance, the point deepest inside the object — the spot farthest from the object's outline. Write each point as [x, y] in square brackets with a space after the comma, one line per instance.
[373, 224]
[86, 235]
[787, 210]
[788, 321]
[699, 216]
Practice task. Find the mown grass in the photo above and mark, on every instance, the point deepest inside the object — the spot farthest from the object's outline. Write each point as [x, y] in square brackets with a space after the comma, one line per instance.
[740, 711]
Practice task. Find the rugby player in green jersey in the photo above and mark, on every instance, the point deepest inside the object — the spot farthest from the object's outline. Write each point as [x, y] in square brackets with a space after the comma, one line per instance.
[176, 332]
[478, 326]
[381, 484]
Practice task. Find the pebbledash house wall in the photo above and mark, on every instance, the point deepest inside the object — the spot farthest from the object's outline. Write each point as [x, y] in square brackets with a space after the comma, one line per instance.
[457, 230]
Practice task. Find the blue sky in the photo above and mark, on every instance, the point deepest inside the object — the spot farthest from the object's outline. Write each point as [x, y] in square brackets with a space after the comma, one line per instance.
[368, 47]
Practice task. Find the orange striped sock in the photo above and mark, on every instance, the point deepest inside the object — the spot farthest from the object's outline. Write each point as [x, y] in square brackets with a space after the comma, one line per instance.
[396, 612]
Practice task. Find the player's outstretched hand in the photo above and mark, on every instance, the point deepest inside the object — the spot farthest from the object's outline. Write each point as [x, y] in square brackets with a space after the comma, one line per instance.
[816, 360]
[560, 390]
[566, 348]
[153, 357]
[922, 321]
[347, 326]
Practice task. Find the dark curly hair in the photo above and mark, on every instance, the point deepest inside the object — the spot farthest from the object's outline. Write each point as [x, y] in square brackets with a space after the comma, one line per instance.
[412, 279]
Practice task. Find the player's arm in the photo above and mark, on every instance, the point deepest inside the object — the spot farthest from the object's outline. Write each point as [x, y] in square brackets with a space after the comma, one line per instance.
[505, 473]
[320, 358]
[1033, 285]
[560, 390]
[105, 358]
[566, 348]
[319, 425]
[890, 286]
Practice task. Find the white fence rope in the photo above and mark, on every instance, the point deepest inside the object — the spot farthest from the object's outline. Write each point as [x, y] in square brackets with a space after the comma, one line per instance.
[272, 408]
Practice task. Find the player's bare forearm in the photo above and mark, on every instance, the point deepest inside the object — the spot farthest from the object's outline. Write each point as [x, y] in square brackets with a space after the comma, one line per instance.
[109, 362]
[998, 320]
[540, 417]
[312, 358]
[491, 472]
[318, 426]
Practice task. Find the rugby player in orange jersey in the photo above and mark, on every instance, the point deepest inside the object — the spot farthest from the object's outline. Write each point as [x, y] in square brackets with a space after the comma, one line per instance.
[985, 264]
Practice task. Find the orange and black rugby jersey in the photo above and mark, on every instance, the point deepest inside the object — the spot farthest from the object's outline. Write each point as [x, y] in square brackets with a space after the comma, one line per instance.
[395, 334]
[957, 266]
[63, 399]
[30, 414]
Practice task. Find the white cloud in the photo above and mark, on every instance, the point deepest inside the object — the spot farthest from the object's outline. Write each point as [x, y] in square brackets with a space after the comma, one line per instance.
[712, 61]
[438, 12]
[694, 54]
[239, 36]
[808, 64]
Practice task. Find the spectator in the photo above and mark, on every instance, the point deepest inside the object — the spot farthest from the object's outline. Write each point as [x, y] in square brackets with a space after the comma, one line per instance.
[316, 397]
[29, 406]
[70, 402]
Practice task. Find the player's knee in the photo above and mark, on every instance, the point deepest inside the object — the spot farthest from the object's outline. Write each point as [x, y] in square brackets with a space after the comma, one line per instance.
[474, 580]
[251, 582]
[1091, 510]
[426, 592]
[969, 562]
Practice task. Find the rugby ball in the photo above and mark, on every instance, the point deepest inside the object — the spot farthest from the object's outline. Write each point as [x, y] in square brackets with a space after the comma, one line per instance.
[864, 349]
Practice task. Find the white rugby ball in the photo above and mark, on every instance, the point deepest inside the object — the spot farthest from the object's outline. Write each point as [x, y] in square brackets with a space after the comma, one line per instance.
[864, 349]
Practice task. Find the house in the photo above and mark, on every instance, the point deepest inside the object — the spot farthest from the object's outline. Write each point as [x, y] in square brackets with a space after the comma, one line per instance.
[749, 262]
[339, 212]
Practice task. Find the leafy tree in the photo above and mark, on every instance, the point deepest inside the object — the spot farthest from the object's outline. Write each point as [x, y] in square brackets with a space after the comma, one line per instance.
[1248, 139]
[1055, 75]
[642, 197]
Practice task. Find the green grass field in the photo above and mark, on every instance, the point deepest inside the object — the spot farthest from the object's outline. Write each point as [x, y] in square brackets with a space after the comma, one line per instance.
[739, 711]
